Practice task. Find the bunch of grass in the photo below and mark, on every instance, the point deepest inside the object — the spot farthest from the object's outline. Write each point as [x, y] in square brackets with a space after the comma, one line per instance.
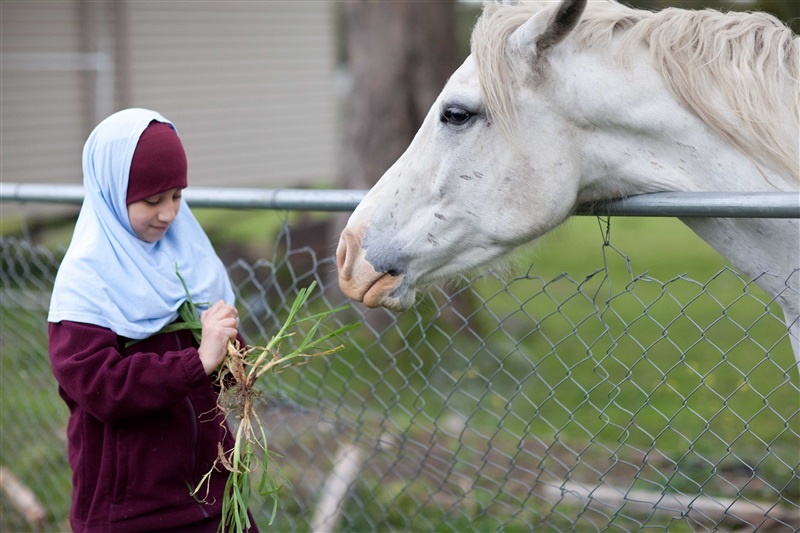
[237, 377]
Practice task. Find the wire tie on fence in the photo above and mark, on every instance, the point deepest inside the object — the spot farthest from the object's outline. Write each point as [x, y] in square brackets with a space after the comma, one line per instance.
[606, 232]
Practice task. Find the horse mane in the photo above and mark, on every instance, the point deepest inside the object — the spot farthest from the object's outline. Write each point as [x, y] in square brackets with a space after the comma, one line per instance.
[751, 59]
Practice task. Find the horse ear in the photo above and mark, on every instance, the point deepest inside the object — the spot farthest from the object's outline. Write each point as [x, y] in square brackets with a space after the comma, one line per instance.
[546, 28]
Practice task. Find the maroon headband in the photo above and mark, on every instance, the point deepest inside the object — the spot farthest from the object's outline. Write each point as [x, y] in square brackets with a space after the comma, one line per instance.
[158, 165]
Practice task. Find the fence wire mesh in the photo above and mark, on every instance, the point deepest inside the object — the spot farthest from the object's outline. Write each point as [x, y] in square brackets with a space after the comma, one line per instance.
[498, 403]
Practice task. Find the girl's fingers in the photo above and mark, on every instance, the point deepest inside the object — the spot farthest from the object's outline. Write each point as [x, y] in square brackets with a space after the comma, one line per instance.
[221, 310]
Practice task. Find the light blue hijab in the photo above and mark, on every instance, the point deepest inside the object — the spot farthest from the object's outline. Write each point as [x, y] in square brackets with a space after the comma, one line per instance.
[111, 278]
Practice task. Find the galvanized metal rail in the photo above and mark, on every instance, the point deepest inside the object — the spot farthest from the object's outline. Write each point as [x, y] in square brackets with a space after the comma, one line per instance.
[666, 204]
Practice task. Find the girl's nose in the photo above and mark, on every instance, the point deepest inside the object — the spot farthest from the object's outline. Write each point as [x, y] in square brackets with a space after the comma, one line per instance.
[167, 213]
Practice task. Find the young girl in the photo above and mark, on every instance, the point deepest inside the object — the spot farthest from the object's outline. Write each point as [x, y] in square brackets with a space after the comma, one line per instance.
[143, 426]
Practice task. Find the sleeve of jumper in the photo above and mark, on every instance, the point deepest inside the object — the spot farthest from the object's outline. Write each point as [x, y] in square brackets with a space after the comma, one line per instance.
[89, 367]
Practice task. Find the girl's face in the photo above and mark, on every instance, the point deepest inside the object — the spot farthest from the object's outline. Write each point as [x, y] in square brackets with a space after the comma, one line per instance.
[151, 218]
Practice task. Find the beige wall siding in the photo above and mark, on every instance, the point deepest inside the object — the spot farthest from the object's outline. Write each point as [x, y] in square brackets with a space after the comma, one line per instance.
[42, 115]
[249, 84]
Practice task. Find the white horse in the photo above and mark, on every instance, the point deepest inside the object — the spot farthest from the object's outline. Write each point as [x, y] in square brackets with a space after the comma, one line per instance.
[560, 103]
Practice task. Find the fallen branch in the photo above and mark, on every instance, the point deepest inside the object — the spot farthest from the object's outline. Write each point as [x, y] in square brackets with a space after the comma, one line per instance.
[22, 498]
[346, 467]
[699, 508]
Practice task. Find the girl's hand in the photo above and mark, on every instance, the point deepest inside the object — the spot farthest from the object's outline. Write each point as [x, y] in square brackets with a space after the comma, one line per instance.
[220, 324]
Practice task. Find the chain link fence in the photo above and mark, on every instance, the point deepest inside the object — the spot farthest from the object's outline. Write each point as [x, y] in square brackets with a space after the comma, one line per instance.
[496, 404]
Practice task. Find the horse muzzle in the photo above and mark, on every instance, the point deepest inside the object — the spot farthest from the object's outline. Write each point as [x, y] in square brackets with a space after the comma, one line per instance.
[361, 281]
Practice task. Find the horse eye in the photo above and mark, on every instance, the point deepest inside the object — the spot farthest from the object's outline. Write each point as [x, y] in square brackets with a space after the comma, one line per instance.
[456, 116]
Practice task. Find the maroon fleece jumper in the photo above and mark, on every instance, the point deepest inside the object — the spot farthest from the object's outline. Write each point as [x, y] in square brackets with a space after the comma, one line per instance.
[143, 429]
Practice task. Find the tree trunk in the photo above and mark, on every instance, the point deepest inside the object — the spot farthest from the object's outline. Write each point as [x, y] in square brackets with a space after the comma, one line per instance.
[400, 54]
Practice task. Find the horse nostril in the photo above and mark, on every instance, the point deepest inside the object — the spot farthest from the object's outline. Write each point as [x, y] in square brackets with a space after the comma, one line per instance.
[394, 272]
[347, 253]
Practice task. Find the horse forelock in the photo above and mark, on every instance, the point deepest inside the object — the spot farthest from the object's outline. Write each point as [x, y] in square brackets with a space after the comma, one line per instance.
[751, 59]
[488, 49]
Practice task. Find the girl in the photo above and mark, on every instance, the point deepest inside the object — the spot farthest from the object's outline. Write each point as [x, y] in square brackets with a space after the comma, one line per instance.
[144, 427]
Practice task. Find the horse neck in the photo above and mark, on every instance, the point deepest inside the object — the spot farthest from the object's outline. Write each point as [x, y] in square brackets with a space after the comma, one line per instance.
[637, 138]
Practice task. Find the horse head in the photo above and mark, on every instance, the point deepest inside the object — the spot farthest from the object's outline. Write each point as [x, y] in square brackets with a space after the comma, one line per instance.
[455, 199]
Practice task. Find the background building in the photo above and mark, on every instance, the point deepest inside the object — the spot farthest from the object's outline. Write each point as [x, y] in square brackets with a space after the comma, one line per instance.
[250, 85]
